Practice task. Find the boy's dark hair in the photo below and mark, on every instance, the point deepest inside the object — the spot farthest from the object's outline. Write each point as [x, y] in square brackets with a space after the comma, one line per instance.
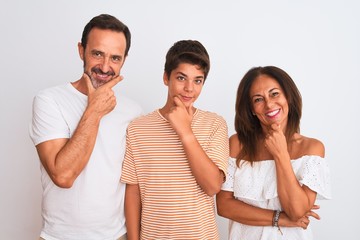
[106, 22]
[187, 51]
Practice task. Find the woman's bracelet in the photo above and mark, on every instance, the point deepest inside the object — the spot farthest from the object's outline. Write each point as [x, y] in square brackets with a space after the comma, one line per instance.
[275, 221]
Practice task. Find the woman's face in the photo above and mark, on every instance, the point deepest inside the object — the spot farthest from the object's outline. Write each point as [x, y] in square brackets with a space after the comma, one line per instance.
[268, 101]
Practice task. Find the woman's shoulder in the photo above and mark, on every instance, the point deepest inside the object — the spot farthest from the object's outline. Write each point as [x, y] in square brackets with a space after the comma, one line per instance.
[308, 146]
[235, 146]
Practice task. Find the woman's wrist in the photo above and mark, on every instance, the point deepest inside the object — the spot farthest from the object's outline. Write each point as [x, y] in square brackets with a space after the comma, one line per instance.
[275, 220]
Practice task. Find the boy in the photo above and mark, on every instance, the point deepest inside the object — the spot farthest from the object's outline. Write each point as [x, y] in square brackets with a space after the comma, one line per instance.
[176, 156]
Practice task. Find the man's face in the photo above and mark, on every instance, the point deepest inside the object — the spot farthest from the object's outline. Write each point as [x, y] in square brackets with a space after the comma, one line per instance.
[103, 56]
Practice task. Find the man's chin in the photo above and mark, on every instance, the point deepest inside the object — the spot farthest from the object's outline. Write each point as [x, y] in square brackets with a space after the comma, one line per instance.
[97, 83]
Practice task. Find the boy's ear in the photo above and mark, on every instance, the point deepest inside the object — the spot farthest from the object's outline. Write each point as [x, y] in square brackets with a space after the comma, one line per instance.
[165, 79]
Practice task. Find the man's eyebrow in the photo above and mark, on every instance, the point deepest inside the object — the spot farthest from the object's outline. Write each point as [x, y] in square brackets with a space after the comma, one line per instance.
[116, 55]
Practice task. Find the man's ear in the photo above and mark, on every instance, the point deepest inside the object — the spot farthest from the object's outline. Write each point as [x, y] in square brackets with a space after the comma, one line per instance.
[166, 79]
[81, 51]
[123, 62]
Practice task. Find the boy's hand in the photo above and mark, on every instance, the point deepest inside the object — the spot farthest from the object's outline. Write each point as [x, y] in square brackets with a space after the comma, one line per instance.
[180, 117]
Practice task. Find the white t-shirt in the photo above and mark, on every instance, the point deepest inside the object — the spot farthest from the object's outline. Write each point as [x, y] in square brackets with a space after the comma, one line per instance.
[93, 207]
[256, 186]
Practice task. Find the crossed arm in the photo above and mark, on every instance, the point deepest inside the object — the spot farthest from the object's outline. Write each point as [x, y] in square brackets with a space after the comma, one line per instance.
[236, 210]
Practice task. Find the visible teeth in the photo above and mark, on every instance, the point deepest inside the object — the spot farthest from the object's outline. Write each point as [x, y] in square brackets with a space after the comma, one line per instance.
[273, 113]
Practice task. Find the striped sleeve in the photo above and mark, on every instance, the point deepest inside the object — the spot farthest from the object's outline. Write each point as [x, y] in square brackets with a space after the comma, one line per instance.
[128, 171]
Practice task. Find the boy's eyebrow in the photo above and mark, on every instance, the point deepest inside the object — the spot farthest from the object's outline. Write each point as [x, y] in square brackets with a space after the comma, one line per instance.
[179, 72]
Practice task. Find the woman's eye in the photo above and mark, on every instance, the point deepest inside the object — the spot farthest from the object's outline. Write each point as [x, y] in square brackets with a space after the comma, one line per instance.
[256, 100]
[274, 94]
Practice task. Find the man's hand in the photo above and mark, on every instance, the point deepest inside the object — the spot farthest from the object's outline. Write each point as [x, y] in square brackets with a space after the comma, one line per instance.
[102, 100]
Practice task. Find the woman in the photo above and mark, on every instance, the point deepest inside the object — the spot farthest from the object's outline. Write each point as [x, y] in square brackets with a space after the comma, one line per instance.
[274, 174]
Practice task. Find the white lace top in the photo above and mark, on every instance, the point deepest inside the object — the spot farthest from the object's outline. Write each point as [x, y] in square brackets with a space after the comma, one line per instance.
[256, 185]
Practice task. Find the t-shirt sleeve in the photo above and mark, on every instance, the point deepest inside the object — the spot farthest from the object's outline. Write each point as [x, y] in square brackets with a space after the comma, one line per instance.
[219, 149]
[128, 174]
[47, 120]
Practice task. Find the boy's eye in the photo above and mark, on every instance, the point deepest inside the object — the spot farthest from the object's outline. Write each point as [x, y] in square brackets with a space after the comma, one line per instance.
[181, 78]
[198, 81]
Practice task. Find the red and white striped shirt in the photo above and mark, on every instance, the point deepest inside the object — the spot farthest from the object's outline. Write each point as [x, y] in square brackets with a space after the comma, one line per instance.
[173, 205]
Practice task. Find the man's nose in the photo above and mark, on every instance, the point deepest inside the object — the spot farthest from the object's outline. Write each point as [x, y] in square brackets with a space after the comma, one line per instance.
[105, 65]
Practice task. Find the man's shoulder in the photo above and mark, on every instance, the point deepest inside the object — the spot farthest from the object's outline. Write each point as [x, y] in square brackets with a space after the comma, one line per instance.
[53, 90]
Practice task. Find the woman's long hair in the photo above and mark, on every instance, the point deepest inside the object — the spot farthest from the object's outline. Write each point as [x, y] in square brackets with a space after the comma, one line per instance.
[247, 125]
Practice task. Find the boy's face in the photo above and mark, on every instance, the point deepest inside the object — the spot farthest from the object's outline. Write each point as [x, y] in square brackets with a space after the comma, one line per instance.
[185, 82]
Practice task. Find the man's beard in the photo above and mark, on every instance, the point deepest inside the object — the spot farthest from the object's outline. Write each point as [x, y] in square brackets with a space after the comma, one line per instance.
[96, 83]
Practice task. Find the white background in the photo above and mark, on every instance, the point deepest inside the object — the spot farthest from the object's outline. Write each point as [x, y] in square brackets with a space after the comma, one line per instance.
[316, 42]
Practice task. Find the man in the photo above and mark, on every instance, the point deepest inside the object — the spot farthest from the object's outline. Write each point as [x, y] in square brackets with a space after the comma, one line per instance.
[176, 156]
[79, 131]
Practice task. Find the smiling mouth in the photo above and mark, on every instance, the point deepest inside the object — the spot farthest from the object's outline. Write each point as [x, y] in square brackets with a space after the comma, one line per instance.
[99, 73]
[103, 77]
[186, 98]
[273, 113]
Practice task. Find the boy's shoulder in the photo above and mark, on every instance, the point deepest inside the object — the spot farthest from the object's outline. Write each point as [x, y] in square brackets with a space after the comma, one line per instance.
[145, 119]
[209, 116]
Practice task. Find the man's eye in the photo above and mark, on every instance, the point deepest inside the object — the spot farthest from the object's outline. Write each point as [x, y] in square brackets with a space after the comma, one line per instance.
[116, 59]
[97, 54]
[181, 78]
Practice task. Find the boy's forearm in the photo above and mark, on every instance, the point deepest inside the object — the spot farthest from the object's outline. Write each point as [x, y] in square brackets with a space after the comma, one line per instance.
[133, 211]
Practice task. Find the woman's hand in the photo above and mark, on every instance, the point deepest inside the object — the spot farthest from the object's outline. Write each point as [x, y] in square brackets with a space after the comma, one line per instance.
[275, 142]
[303, 222]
